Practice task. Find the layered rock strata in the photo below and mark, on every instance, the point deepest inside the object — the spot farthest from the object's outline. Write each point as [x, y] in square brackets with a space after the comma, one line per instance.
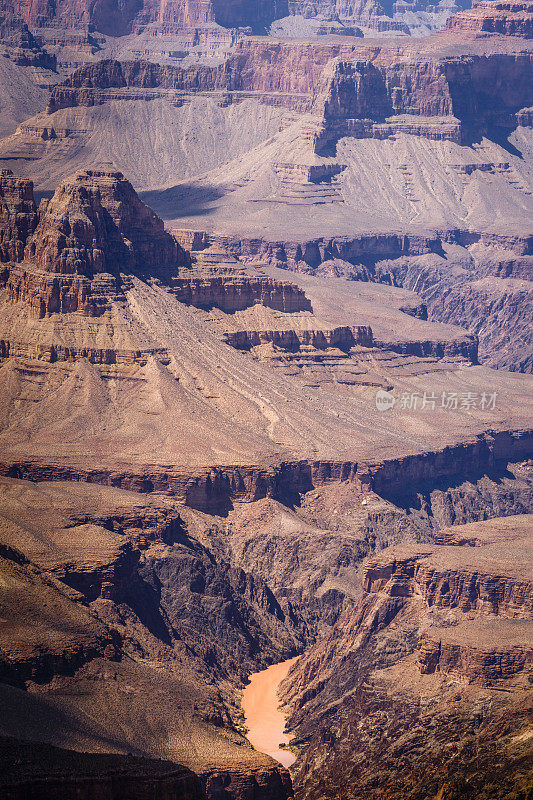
[18, 44]
[131, 17]
[215, 490]
[508, 19]
[33, 770]
[84, 614]
[18, 216]
[234, 293]
[71, 252]
[358, 89]
[445, 627]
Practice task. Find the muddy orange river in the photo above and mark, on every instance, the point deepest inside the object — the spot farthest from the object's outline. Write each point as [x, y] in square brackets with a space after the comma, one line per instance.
[264, 720]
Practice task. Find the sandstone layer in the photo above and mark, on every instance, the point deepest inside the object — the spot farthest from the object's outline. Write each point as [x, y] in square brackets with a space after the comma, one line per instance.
[511, 19]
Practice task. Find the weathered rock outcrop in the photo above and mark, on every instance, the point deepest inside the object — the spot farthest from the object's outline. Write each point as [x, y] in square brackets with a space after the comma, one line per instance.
[127, 17]
[467, 587]
[308, 255]
[32, 771]
[116, 581]
[446, 643]
[72, 251]
[343, 338]
[232, 294]
[96, 223]
[360, 87]
[48, 293]
[18, 215]
[18, 44]
[464, 91]
[507, 19]
[477, 662]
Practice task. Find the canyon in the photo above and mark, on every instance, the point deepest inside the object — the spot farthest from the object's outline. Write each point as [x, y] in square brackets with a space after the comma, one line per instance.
[266, 355]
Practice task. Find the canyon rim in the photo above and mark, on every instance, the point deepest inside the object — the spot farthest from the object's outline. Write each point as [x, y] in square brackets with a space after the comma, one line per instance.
[266, 373]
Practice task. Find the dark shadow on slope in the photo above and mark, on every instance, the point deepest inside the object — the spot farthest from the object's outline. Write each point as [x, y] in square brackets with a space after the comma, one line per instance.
[183, 200]
[144, 599]
[501, 136]
[416, 496]
[497, 130]
[44, 194]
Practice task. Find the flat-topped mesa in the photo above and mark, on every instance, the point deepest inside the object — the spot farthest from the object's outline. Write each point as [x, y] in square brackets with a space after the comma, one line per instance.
[18, 215]
[437, 98]
[343, 338]
[507, 18]
[218, 279]
[93, 229]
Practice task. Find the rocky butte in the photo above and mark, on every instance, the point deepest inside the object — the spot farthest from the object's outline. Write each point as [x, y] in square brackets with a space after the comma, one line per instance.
[266, 347]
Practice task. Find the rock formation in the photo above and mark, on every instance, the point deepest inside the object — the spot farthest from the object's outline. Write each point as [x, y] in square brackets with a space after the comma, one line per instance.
[18, 44]
[96, 223]
[18, 216]
[85, 616]
[509, 19]
[36, 770]
[438, 648]
[117, 20]
[93, 229]
[258, 432]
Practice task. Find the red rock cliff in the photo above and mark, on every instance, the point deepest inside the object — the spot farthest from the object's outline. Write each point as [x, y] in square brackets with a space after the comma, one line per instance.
[18, 215]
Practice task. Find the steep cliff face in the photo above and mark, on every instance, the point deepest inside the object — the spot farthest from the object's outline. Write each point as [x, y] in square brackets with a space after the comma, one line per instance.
[488, 293]
[232, 294]
[508, 19]
[96, 223]
[359, 88]
[18, 215]
[469, 89]
[353, 90]
[256, 65]
[72, 250]
[442, 627]
[130, 16]
[125, 608]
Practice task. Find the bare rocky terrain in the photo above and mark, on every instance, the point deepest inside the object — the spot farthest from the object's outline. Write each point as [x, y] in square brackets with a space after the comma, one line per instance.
[265, 392]
[434, 657]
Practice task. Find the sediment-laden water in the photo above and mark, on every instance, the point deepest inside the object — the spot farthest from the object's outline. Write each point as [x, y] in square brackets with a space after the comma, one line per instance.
[264, 719]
